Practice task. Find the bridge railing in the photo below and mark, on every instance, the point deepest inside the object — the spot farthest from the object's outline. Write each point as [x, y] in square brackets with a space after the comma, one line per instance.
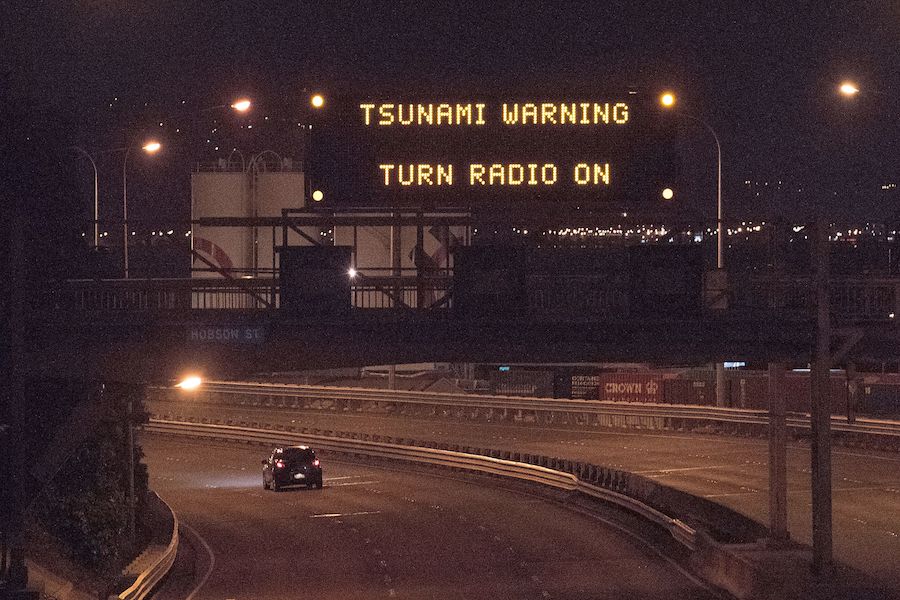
[105, 295]
[857, 299]
[852, 300]
[257, 293]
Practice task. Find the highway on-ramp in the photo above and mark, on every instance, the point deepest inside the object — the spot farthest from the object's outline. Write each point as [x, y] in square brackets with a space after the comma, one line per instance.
[384, 533]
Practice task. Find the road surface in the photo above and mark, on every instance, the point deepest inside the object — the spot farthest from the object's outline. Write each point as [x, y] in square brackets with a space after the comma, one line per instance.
[379, 533]
[730, 470]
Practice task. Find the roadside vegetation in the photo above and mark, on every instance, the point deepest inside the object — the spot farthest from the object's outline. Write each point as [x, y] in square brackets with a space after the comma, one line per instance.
[78, 524]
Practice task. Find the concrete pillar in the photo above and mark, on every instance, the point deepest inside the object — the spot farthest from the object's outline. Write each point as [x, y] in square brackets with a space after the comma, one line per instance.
[778, 526]
[721, 385]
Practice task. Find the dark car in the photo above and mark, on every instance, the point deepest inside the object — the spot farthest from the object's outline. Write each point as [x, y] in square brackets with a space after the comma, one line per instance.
[292, 465]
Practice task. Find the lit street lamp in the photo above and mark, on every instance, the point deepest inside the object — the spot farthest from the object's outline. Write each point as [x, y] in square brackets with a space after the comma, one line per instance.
[190, 383]
[668, 101]
[242, 105]
[848, 89]
[150, 147]
[96, 195]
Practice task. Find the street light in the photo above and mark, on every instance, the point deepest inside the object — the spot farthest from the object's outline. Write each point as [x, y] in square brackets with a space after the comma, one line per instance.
[190, 383]
[317, 100]
[150, 147]
[668, 101]
[96, 195]
[848, 89]
[242, 105]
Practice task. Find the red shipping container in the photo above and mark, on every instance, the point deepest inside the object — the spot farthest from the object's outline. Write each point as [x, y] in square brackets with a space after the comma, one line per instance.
[749, 390]
[632, 387]
[676, 391]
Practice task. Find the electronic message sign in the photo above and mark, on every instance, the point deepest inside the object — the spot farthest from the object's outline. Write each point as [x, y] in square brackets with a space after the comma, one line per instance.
[483, 152]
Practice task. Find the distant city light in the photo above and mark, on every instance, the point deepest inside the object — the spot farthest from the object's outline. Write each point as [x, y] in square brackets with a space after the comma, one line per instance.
[351, 272]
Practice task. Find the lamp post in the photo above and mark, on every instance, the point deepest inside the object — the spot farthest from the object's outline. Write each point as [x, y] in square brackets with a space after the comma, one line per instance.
[96, 195]
[668, 101]
[150, 148]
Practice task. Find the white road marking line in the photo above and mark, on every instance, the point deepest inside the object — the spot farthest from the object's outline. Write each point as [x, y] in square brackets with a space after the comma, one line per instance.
[837, 489]
[353, 514]
[664, 471]
[331, 485]
[212, 560]
[344, 477]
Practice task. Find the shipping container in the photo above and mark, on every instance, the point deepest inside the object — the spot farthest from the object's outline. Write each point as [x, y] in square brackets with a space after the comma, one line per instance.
[523, 382]
[881, 399]
[632, 387]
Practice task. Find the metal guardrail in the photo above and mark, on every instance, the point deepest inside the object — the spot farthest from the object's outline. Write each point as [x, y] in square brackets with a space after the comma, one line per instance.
[733, 416]
[148, 579]
[503, 466]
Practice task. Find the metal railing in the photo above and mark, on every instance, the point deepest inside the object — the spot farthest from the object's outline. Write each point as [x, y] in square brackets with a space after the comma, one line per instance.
[257, 293]
[852, 300]
[875, 299]
[519, 409]
[147, 580]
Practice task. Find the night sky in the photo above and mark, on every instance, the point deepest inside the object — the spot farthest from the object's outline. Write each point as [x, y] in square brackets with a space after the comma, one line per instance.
[763, 74]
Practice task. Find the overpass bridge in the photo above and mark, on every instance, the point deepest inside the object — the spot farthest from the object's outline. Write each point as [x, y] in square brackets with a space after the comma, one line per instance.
[341, 290]
[153, 329]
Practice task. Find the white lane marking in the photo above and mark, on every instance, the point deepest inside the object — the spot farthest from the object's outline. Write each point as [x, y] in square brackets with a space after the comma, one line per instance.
[345, 477]
[836, 489]
[664, 471]
[331, 485]
[212, 560]
[353, 514]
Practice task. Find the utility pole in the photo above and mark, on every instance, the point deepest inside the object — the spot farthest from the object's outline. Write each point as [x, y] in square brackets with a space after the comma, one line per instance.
[820, 410]
[132, 505]
[778, 527]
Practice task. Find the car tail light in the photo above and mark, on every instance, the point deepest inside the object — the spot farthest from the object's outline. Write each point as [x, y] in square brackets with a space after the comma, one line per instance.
[316, 462]
[279, 464]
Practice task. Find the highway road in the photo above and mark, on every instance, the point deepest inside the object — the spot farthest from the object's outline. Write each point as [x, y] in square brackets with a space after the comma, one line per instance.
[732, 471]
[381, 533]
